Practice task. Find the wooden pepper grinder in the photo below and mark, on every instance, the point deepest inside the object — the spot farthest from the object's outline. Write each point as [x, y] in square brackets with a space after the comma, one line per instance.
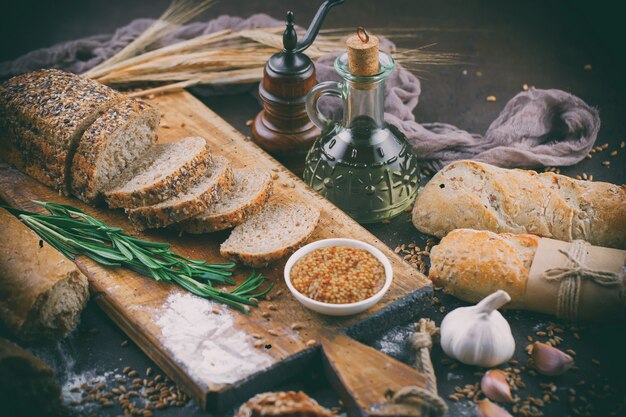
[283, 127]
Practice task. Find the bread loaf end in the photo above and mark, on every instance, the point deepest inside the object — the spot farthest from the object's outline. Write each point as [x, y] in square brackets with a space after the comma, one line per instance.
[471, 264]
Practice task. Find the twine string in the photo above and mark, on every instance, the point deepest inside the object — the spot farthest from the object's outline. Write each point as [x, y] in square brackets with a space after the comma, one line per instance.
[571, 278]
[421, 342]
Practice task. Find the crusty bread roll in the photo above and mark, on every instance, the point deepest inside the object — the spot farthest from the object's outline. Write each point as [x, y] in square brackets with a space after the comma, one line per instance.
[42, 293]
[27, 385]
[570, 280]
[471, 264]
[474, 195]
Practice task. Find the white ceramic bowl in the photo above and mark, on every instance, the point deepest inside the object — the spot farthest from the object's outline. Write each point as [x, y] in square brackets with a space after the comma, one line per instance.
[339, 309]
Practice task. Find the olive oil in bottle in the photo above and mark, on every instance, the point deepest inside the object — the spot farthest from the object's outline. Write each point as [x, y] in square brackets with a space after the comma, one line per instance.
[362, 164]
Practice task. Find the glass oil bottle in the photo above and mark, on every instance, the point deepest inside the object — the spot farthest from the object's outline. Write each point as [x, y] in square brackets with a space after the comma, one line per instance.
[361, 164]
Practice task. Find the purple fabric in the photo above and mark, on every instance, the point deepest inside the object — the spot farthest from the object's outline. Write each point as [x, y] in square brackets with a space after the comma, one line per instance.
[535, 128]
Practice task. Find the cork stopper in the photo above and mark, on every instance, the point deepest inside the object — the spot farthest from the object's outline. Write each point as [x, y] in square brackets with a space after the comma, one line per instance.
[362, 53]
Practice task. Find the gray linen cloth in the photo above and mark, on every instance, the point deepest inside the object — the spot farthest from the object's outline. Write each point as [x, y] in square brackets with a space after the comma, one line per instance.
[535, 128]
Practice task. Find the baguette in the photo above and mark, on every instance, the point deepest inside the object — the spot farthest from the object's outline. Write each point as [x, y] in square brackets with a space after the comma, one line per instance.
[471, 264]
[473, 195]
[42, 293]
[163, 171]
[43, 115]
[116, 139]
[570, 280]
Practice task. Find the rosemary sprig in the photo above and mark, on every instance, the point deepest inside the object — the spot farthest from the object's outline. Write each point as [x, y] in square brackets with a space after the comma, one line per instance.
[73, 232]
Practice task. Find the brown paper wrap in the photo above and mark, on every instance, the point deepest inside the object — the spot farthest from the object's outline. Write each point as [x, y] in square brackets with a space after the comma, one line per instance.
[592, 276]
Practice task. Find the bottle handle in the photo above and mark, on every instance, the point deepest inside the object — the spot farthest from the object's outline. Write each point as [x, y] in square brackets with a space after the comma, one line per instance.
[326, 88]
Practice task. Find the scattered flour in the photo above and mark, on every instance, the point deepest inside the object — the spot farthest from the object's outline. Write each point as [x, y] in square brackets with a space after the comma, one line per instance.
[395, 343]
[207, 344]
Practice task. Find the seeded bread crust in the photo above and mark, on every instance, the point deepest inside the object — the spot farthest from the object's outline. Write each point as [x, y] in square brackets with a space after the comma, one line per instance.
[97, 137]
[282, 404]
[174, 184]
[261, 257]
[213, 221]
[43, 115]
[195, 201]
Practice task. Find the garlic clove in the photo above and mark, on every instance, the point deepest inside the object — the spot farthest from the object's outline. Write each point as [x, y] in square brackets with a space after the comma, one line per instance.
[495, 386]
[549, 360]
[486, 408]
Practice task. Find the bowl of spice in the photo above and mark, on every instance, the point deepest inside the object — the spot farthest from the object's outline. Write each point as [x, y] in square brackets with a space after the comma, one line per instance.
[338, 277]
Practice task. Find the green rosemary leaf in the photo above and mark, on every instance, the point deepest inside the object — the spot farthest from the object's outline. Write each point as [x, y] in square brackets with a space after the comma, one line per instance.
[147, 243]
[121, 246]
[101, 260]
[107, 252]
[73, 232]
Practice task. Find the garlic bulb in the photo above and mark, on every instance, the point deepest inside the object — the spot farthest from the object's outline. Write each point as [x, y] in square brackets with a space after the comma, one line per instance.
[479, 335]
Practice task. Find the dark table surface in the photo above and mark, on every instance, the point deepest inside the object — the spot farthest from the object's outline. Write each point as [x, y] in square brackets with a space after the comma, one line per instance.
[504, 45]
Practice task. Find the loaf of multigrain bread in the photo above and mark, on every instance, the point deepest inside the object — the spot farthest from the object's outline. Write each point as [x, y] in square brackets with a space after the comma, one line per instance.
[121, 135]
[43, 115]
[474, 195]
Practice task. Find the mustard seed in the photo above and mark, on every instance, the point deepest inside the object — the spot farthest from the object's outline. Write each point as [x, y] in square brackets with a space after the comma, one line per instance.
[338, 275]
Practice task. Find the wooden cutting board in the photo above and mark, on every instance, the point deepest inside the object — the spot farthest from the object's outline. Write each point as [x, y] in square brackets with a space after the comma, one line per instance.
[363, 375]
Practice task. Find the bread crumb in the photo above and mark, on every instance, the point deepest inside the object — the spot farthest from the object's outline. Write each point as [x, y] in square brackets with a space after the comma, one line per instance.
[491, 99]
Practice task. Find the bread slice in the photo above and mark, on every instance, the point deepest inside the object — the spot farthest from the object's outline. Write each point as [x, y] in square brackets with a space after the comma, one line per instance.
[277, 230]
[116, 139]
[250, 191]
[194, 201]
[43, 115]
[164, 171]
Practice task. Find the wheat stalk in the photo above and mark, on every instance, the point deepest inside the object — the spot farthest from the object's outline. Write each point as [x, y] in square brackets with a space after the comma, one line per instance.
[227, 57]
[179, 12]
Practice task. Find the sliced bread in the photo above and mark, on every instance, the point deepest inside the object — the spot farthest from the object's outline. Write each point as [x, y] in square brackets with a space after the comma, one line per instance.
[116, 139]
[191, 203]
[277, 230]
[164, 171]
[250, 191]
[43, 115]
